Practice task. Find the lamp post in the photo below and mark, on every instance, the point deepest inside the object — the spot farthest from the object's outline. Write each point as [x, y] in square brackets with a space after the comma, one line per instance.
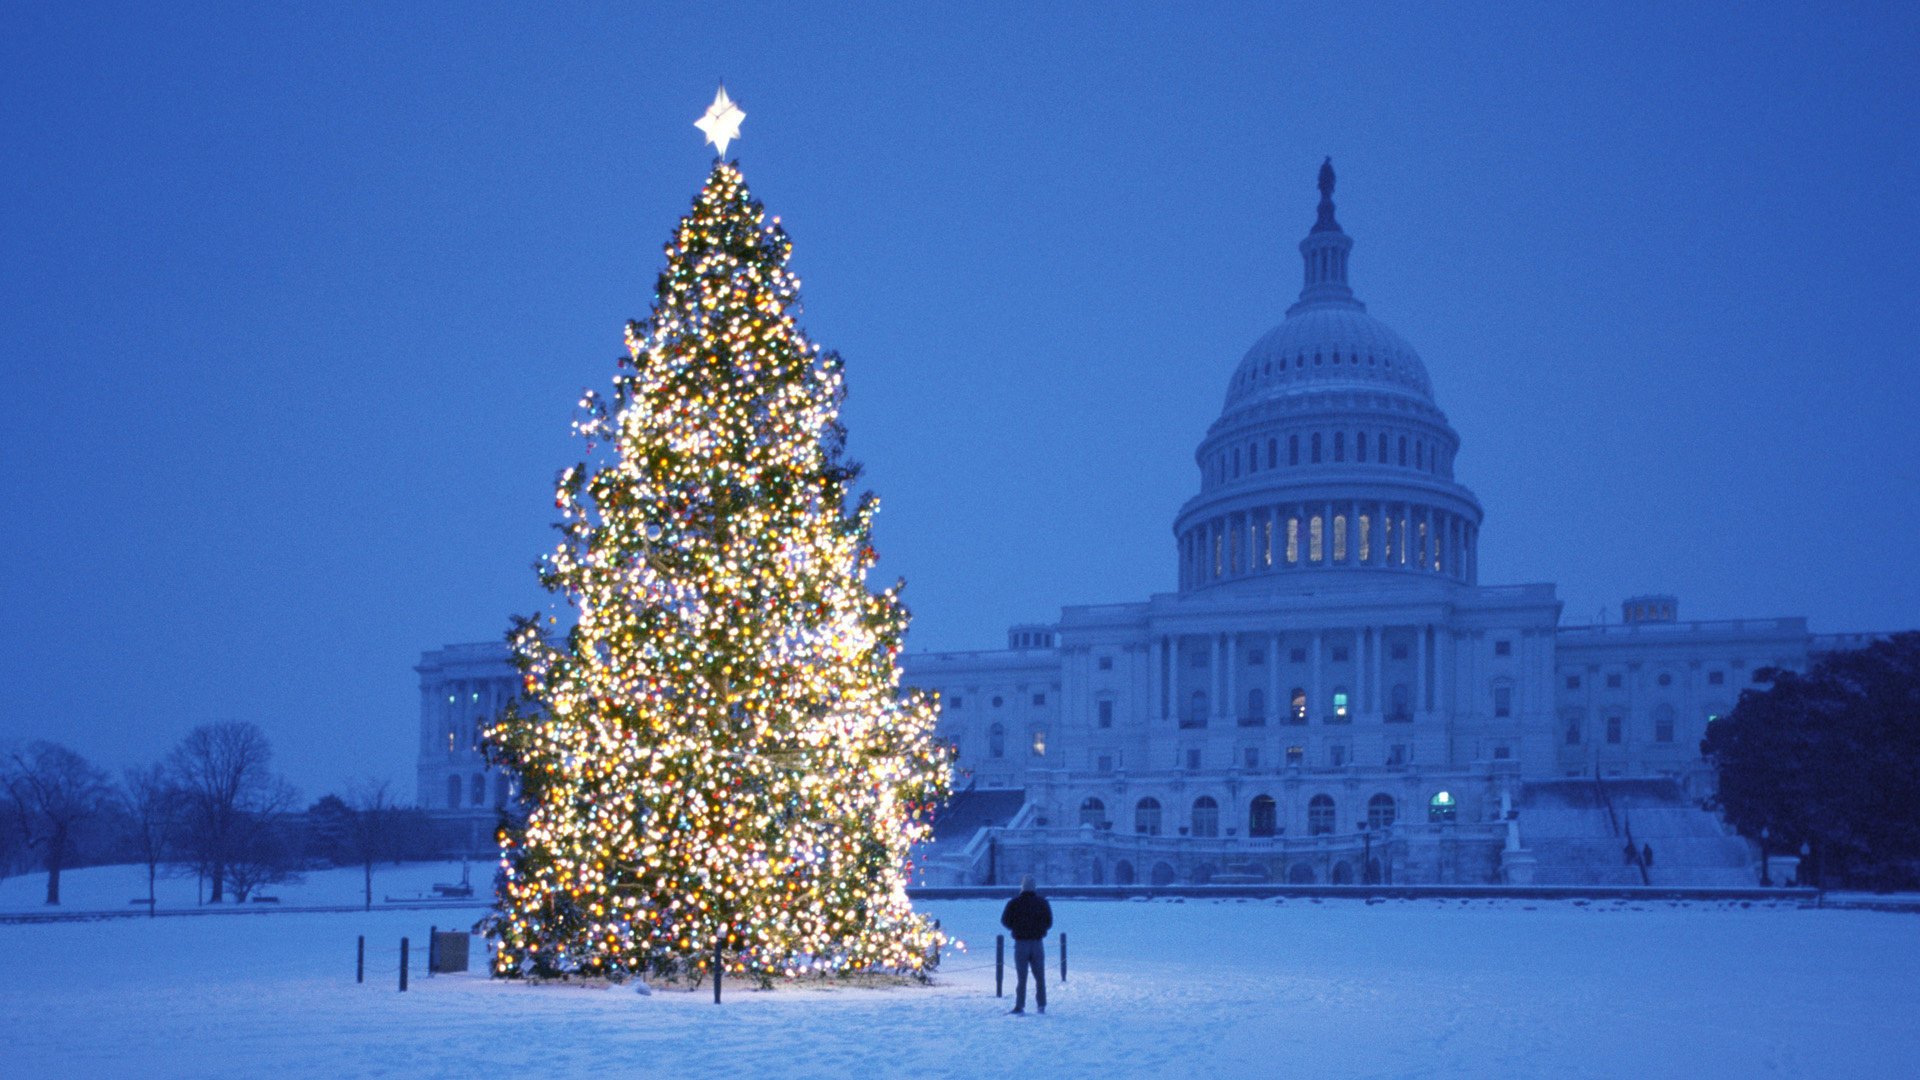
[1366, 854]
[1766, 879]
[1806, 863]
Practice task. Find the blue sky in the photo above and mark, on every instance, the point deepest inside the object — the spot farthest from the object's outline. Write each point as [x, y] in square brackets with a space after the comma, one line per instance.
[297, 302]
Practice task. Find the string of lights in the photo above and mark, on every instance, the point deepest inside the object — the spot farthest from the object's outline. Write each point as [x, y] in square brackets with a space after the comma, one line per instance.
[716, 758]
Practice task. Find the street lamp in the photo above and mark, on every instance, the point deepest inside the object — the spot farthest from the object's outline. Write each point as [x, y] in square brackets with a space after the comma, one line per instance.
[1766, 879]
[1366, 854]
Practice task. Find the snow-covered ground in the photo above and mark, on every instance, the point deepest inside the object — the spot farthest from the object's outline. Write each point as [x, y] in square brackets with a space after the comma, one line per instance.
[110, 888]
[1418, 988]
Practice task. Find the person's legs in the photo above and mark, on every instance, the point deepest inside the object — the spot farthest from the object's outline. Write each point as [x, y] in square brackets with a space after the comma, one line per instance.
[1032, 955]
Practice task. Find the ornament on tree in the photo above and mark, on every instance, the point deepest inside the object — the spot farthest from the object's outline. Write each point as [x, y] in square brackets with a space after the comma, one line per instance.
[719, 751]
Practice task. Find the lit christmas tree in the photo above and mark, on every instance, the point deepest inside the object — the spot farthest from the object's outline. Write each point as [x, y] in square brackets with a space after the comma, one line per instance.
[720, 753]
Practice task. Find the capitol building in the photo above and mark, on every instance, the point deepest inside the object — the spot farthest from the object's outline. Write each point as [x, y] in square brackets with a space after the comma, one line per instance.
[1330, 695]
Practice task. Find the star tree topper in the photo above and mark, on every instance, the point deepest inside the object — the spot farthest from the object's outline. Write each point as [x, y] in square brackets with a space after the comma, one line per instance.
[722, 121]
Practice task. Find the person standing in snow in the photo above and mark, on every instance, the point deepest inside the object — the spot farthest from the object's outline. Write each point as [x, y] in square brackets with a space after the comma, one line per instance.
[1028, 917]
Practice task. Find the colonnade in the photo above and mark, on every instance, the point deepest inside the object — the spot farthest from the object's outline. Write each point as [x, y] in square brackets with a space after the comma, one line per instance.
[1363, 675]
[1329, 533]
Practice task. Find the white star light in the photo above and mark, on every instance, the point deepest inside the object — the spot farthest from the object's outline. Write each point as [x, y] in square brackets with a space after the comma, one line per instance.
[722, 121]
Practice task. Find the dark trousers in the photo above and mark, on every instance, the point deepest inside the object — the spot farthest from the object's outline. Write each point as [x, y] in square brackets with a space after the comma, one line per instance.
[1030, 954]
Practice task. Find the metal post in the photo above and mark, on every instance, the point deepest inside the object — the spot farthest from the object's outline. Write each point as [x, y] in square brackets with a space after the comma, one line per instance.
[433, 933]
[1063, 956]
[403, 965]
[360, 961]
[999, 965]
[717, 940]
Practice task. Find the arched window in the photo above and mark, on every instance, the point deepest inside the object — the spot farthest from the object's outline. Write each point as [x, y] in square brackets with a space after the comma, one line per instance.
[1441, 807]
[1093, 812]
[1297, 707]
[1663, 722]
[1263, 816]
[1339, 538]
[1316, 448]
[453, 793]
[1162, 874]
[1146, 817]
[479, 790]
[1039, 742]
[1320, 815]
[1316, 537]
[1381, 811]
[1196, 710]
[1342, 873]
[1206, 817]
[1256, 708]
[1123, 873]
[996, 741]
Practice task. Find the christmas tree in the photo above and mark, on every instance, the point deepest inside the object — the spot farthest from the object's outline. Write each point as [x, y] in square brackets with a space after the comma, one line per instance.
[717, 759]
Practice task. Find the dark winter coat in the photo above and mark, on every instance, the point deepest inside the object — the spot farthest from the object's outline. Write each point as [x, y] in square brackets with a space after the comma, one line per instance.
[1028, 916]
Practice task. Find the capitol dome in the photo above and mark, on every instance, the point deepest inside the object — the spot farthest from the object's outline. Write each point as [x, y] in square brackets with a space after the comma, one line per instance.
[1330, 452]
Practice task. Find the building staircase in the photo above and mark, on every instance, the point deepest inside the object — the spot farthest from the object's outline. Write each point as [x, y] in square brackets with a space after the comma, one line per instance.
[1579, 831]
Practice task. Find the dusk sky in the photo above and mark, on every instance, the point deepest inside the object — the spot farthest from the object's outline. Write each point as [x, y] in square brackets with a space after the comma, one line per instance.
[297, 305]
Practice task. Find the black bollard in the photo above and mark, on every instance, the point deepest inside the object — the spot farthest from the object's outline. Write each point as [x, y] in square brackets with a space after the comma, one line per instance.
[999, 965]
[716, 970]
[360, 961]
[1063, 956]
[403, 965]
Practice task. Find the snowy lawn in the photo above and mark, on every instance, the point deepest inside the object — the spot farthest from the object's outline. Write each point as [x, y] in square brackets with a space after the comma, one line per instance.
[109, 888]
[1422, 988]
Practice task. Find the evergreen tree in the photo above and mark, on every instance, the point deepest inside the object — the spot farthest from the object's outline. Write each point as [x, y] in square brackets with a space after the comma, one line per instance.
[718, 752]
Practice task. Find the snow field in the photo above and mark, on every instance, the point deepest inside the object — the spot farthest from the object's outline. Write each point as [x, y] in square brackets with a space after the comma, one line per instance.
[1424, 988]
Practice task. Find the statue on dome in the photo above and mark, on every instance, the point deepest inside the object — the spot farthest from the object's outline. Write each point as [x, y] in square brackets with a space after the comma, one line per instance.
[1325, 222]
[1326, 178]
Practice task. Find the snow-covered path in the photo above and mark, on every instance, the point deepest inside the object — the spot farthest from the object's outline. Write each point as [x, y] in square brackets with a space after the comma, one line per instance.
[1397, 989]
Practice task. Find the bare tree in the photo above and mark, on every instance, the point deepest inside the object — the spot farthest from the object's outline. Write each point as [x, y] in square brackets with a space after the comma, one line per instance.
[229, 795]
[370, 828]
[150, 808]
[261, 851]
[54, 790]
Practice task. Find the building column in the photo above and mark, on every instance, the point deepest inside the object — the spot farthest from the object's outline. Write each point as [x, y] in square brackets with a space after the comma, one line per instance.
[1273, 676]
[1314, 702]
[1213, 675]
[1156, 684]
[1419, 702]
[1230, 711]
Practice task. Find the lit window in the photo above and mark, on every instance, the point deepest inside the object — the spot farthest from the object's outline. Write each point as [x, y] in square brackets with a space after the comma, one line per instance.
[1266, 545]
[1039, 743]
[1340, 704]
[1339, 538]
[1315, 527]
[1299, 706]
[1366, 542]
[1441, 807]
[1296, 754]
[1293, 540]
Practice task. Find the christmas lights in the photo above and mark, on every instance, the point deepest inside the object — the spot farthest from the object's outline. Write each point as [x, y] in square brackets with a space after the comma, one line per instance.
[718, 749]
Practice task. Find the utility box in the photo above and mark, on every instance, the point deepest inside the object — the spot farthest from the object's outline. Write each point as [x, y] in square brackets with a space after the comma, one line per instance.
[449, 951]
